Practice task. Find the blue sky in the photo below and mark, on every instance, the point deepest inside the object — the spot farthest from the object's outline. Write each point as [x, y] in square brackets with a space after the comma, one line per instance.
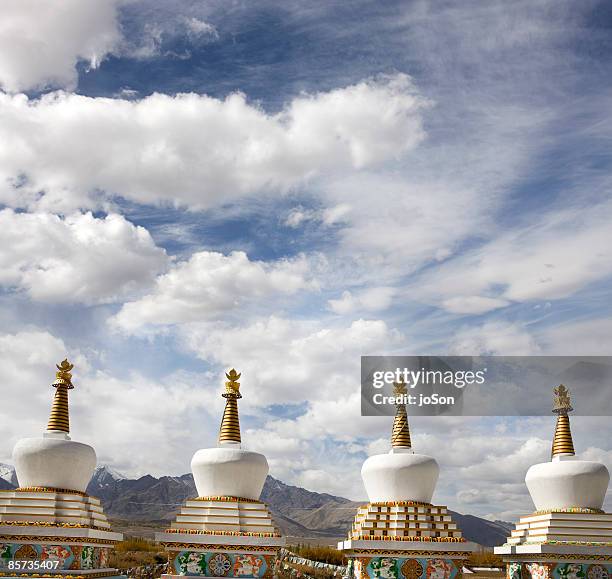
[191, 186]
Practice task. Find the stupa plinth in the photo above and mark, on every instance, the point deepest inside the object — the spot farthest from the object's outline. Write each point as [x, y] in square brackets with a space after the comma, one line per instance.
[400, 534]
[49, 525]
[226, 531]
[568, 535]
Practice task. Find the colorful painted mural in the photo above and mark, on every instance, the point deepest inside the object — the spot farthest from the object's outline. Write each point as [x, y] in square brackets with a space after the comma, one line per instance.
[223, 564]
[68, 556]
[513, 571]
[517, 570]
[405, 568]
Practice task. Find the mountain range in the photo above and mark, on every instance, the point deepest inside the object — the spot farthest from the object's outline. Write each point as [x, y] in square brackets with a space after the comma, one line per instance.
[142, 506]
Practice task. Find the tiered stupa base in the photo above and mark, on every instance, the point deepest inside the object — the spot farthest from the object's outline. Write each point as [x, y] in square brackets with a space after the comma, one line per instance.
[571, 544]
[222, 537]
[405, 540]
[54, 533]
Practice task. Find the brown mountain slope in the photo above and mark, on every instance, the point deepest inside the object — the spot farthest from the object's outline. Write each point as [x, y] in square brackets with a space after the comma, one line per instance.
[141, 506]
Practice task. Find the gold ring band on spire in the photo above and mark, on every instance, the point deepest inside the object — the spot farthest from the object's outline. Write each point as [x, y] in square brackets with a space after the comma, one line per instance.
[229, 432]
[59, 419]
[562, 442]
[400, 435]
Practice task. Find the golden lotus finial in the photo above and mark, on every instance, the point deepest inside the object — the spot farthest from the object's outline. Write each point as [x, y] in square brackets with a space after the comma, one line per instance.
[563, 402]
[63, 375]
[232, 387]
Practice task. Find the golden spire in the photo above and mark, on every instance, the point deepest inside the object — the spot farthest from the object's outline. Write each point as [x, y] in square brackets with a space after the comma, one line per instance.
[59, 419]
[400, 436]
[562, 443]
[230, 423]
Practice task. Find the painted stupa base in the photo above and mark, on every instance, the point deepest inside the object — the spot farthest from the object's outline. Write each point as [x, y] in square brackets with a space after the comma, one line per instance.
[222, 537]
[568, 544]
[54, 533]
[405, 540]
[405, 559]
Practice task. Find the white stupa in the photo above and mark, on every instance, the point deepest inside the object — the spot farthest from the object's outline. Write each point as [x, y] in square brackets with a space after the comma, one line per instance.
[400, 532]
[568, 525]
[50, 519]
[226, 531]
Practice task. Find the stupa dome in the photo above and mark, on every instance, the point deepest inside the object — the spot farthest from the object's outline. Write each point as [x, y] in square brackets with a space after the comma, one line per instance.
[228, 470]
[565, 482]
[400, 475]
[54, 460]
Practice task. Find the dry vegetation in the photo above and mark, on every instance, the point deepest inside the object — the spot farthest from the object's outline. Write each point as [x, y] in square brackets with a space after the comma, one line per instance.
[320, 553]
[136, 552]
[485, 559]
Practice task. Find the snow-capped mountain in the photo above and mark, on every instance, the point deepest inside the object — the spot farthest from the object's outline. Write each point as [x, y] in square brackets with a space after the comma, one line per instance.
[105, 475]
[7, 476]
[297, 511]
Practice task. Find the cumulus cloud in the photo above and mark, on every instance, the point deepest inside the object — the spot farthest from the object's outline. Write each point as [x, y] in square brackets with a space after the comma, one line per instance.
[292, 360]
[76, 259]
[157, 424]
[28, 359]
[131, 421]
[41, 42]
[194, 150]
[210, 283]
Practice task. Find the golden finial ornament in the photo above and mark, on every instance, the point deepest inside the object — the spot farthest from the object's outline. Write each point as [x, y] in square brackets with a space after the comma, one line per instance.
[232, 387]
[230, 423]
[563, 402]
[400, 435]
[59, 420]
[63, 375]
[562, 442]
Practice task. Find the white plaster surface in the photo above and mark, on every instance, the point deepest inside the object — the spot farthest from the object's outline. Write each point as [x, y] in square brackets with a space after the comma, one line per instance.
[392, 546]
[219, 539]
[61, 532]
[400, 476]
[229, 471]
[54, 461]
[567, 482]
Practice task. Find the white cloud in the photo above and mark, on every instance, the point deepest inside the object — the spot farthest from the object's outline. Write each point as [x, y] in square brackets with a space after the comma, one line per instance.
[330, 216]
[130, 421]
[76, 259]
[473, 304]
[194, 150]
[514, 466]
[553, 257]
[299, 215]
[198, 28]
[495, 338]
[291, 361]
[28, 359]
[374, 299]
[41, 42]
[210, 283]
[157, 425]
[579, 338]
